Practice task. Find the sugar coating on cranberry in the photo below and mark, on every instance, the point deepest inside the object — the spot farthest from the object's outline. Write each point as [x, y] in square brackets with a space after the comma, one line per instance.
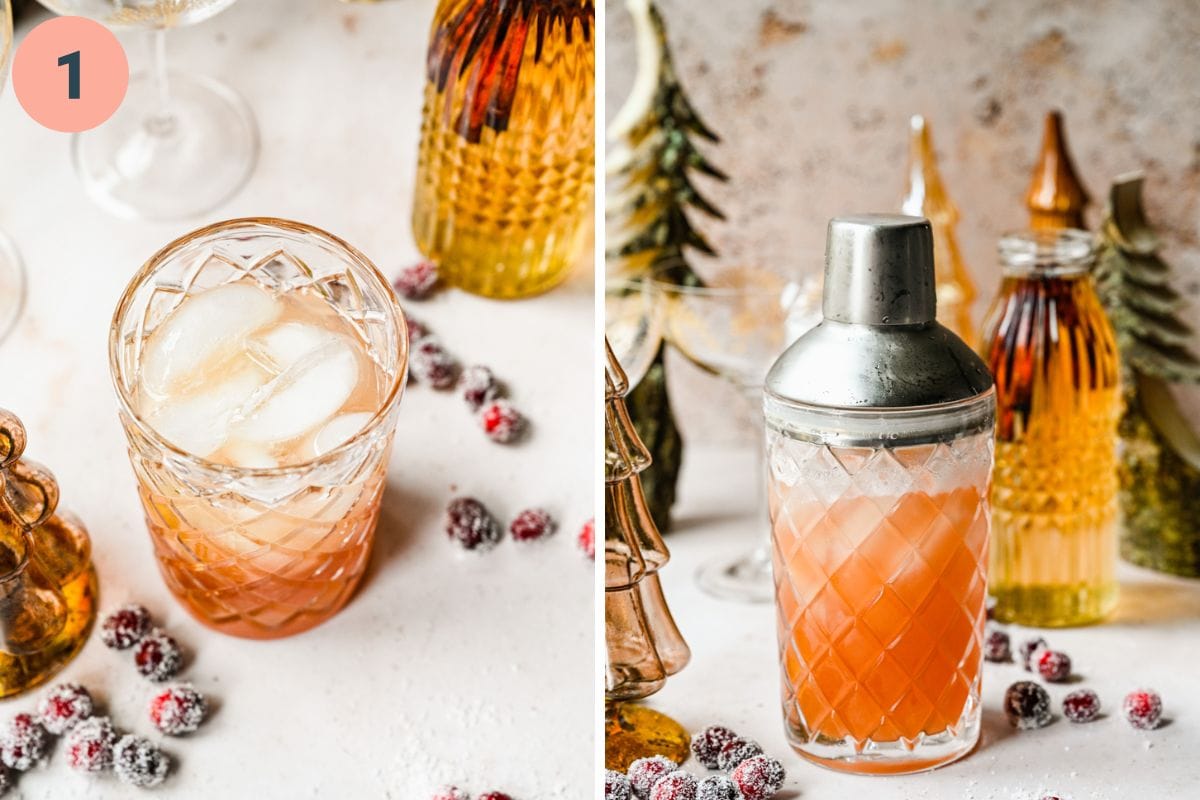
[997, 648]
[1081, 706]
[417, 282]
[717, 787]
[469, 523]
[478, 386]
[157, 656]
[417, 330]
[502, 423]
[139, 762]
[433, 364]
[23, 742]
[587, 539]
[1028, 648]
[1027, 706]
[707, 744]
[1054, 666]
[616, 786]
[494, 796]
[90, 745]
[736, 751]
[63, 707]
[450, 793]
[531, 524]
[177, 710]
[677, 785]
[758, 778]
[1142, 709]
[645, 772]
[125, 627]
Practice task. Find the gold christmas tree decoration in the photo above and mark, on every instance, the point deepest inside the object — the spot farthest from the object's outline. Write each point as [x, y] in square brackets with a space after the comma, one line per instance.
[1160, 453]
[644, 645]
[926, 197]
[1056, 197]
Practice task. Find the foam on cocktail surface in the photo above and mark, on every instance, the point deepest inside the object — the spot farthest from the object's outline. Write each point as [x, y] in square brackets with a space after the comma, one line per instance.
[242, 377]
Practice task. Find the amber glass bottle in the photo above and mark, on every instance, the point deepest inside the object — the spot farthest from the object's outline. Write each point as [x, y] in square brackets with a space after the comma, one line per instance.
[504, 180]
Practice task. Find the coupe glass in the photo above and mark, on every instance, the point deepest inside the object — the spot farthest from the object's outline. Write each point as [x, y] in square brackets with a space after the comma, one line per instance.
[735, 327]
[12, 275]
[633, 323]
[179, 145]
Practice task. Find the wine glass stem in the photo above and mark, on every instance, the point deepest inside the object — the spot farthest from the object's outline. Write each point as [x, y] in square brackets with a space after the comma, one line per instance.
[762, 548]
[163, 122]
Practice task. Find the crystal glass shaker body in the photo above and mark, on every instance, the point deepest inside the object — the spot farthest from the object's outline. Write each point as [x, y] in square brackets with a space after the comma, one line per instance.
[879, 447]
[1054, 500]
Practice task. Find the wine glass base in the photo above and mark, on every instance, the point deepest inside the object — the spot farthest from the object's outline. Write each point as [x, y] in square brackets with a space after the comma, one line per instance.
[745, 579]
[141, 164]
[12, 286]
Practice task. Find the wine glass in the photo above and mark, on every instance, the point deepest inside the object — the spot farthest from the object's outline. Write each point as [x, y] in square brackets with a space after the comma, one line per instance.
[633, 323]
[735, 327]
[12, 274]
[179, 145]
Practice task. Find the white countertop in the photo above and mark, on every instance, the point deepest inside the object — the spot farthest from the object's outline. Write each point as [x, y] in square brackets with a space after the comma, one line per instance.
[446, 666]
[1153, 640]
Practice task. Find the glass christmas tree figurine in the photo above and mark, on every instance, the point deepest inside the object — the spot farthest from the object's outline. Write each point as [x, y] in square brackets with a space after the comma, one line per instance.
[644, 645]
[1056, 198]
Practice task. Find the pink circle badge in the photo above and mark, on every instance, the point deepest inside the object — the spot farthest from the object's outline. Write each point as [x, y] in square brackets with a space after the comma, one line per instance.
[70, 74]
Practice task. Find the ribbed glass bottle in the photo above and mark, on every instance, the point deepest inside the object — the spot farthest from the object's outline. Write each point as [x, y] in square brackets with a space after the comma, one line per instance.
[504, 180]
[1053, 353]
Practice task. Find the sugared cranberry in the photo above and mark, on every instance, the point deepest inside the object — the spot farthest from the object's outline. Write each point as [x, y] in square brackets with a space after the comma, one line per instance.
[469, 523]
[616, 786]
[178, 710]
[990, 608]
[1081, 706]
[677, 785]
[6, 780]
[63, 707]
[645, 772]
[450, 793]
[531, 524]
[758, 778]
[478, 386]
[417, 282]
[501, 422]
[138, 762]
[1027, 705]
[125, 627]
[432, 364]
[1142, 708]
[1054, 666]
[158, 657]
[717, 787]
[736, 751]
[494, 796]
[707, 744]
[1028, 648]
[417, 331]
[996, 647]
[1050, 797]
[587, 539]
[90, 745]
[22, 742]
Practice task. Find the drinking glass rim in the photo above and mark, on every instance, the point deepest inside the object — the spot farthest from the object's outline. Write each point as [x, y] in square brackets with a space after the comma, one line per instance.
[138, 279]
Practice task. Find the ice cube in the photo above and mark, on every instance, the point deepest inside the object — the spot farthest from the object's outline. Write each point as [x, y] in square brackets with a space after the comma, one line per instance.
[285, 345]
[338, 430]
[199, 423]
[249, 456]
[203, 326]
[304, 397]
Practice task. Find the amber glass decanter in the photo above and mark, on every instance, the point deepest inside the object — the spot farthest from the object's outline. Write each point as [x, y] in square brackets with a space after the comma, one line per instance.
[504, 182]
[47, 583]
[1056, 198]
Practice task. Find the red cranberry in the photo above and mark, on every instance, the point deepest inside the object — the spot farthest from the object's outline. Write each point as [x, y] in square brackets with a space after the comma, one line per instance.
[22, 742]
[587, 539]
[139, 762]
[758, 778]
[478, 386]
[1054, 666]
[469, 523]
[1142, 708]
[1081, 706]
[645, 772]
[157, 657]
[417, 282]
[1027, 706]
[432, 364]
[90, 745]
[417, 330]
[616, 786]
[736, 751]
[996, 647]
[177, 710]
[501, 422]
[707, 744]
[1028, 648]
[63, 707]
[677, 785]
[717, 787]
[125, 627]
[531, 524]
[6, 780]
[494, 796]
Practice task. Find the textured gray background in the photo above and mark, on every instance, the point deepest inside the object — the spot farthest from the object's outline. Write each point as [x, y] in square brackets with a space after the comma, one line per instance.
[812, 100]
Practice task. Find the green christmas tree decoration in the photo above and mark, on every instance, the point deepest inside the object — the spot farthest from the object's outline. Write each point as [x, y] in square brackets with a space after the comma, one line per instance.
[1160, 454]
[652, 196]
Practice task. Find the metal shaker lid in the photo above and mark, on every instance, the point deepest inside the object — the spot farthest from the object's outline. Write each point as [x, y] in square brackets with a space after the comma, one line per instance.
[879, 344]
